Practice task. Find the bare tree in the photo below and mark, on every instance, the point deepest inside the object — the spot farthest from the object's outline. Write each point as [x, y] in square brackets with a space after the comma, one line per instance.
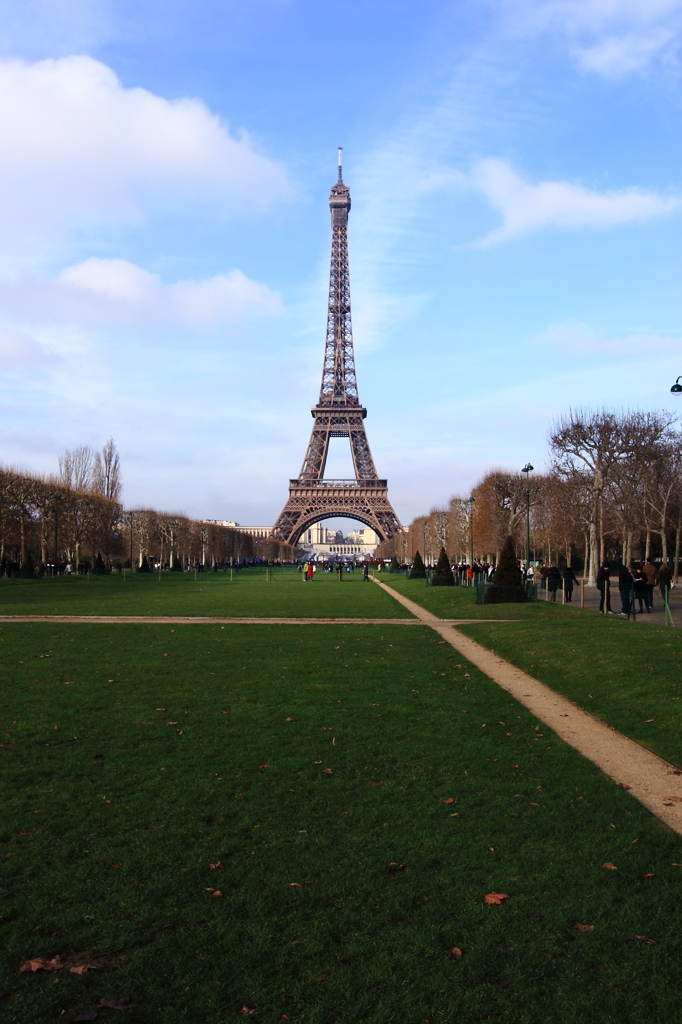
[76, 468]
[106, 475]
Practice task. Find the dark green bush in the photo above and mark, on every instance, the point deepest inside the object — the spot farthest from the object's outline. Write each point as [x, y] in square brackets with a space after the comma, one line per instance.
[99, 568]
[417, 572]
[443, 576]
[507, 572]
[395, 565]
[144, 567]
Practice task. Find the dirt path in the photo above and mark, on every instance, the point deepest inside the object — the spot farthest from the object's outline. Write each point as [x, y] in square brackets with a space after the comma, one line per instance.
[656, 783]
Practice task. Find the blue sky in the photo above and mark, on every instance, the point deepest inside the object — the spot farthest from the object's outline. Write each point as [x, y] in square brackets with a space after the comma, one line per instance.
[515, 234]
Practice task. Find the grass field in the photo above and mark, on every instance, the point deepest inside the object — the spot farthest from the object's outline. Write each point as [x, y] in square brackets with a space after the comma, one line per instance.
[135, 756]
[248, 593]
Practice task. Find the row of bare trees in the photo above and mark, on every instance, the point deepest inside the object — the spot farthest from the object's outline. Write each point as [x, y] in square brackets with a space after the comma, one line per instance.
[61, 524]
[614, 490]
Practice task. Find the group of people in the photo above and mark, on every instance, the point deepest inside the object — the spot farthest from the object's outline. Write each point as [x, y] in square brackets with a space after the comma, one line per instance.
[555, 579]
[634, 584]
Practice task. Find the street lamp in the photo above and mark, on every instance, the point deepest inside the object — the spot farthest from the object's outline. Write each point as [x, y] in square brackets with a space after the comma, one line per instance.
[527, 469]
[677, 387]
[55, 499]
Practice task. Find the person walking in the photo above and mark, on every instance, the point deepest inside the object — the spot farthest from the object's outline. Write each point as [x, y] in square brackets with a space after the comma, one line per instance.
[603, 586]
[649, 571]
[553, 577]
[365, 572]
[626, 586]
[339, 572]
[665, 578]
[569, 579]
[309, 572]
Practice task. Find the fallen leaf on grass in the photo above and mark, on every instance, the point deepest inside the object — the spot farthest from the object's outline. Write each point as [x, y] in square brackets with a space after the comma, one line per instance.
[317, 762]
[260, 765]
[454, 953]
[214, 867]
[288, 719]
[70, 683]
[42, 964]
[648, 876]
[494, 898]
[248, 1008]
[647, 942]
[585, 927]
[115, 1004]
[296, 885]
[327, 771]
[375, 783]
[396, 866]
[450, 800]
[216, 893]
[160, 709]
[322, 977]
[82, 969]
[610, 866]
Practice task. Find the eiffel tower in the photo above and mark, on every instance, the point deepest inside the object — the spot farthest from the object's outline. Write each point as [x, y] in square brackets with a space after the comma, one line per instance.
[338, 413]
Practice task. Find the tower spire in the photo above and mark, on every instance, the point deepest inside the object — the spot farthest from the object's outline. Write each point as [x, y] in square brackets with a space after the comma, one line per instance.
[338, 412]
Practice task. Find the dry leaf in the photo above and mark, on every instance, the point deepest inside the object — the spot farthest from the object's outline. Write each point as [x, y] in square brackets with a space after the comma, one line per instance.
[396, 866]
[675, 799]
[214, 867]
[248, 1008]
[82, 968]
[42, 964]
[585, 927]
[68, 684]
[375, 783]
[621, 785]
[648, 720]
[322, 977]
[648, 876]
[454, 953]
[450, 800]
[260, 765]
[115, 1004]
[288, 719]
[494, 898]
[610, 866]
[327, 771]
[296, 885]
[317, 762]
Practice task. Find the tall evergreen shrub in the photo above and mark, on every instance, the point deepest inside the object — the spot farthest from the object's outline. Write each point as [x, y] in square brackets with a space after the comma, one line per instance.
[507, 579]
[417, 572]
[144, 567]
[443, 576]
[99, 568]
[395, 565]
[27, 571]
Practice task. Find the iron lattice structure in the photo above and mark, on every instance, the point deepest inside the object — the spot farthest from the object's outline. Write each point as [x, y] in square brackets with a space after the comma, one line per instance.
[338, 413]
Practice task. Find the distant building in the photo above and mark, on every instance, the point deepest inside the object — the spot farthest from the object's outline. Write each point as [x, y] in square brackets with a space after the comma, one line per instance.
[321, 543]
[220, 522]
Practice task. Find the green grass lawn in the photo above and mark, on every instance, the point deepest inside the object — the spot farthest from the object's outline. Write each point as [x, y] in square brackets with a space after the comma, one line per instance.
[248, 593]
[460, 602]
[173, 749]
[628, 675]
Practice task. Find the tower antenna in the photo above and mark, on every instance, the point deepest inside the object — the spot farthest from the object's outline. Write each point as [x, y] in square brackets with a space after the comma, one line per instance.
[340, 163]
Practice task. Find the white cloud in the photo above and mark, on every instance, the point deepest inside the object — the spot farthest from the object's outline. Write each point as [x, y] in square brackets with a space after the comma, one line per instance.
[78, 147]
[526, 207]
[109, 293]
[19, 351]
[617, 56]
[581, 339]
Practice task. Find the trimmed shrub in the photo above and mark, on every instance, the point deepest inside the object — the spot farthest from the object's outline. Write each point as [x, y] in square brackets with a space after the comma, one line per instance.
[507, 585]
[144, 567]
[99, 568]
[394, 566]
[507, 572]
[417, 572]
[175, 565]
[443, 576]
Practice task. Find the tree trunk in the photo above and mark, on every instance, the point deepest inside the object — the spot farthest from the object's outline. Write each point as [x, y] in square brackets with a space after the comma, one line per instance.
[647, 547]
[678, 528]
[569, 554]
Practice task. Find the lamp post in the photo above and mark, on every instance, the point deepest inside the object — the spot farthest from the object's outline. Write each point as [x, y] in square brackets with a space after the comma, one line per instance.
[56, 498]
[677, 387]
[527, 469]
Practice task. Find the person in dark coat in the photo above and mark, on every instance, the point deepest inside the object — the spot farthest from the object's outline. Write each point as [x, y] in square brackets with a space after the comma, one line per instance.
[603, 576]
[649, 571]
[641, 589]
[626, 586]
[553, 577]
[569, 579]
[665, 578]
